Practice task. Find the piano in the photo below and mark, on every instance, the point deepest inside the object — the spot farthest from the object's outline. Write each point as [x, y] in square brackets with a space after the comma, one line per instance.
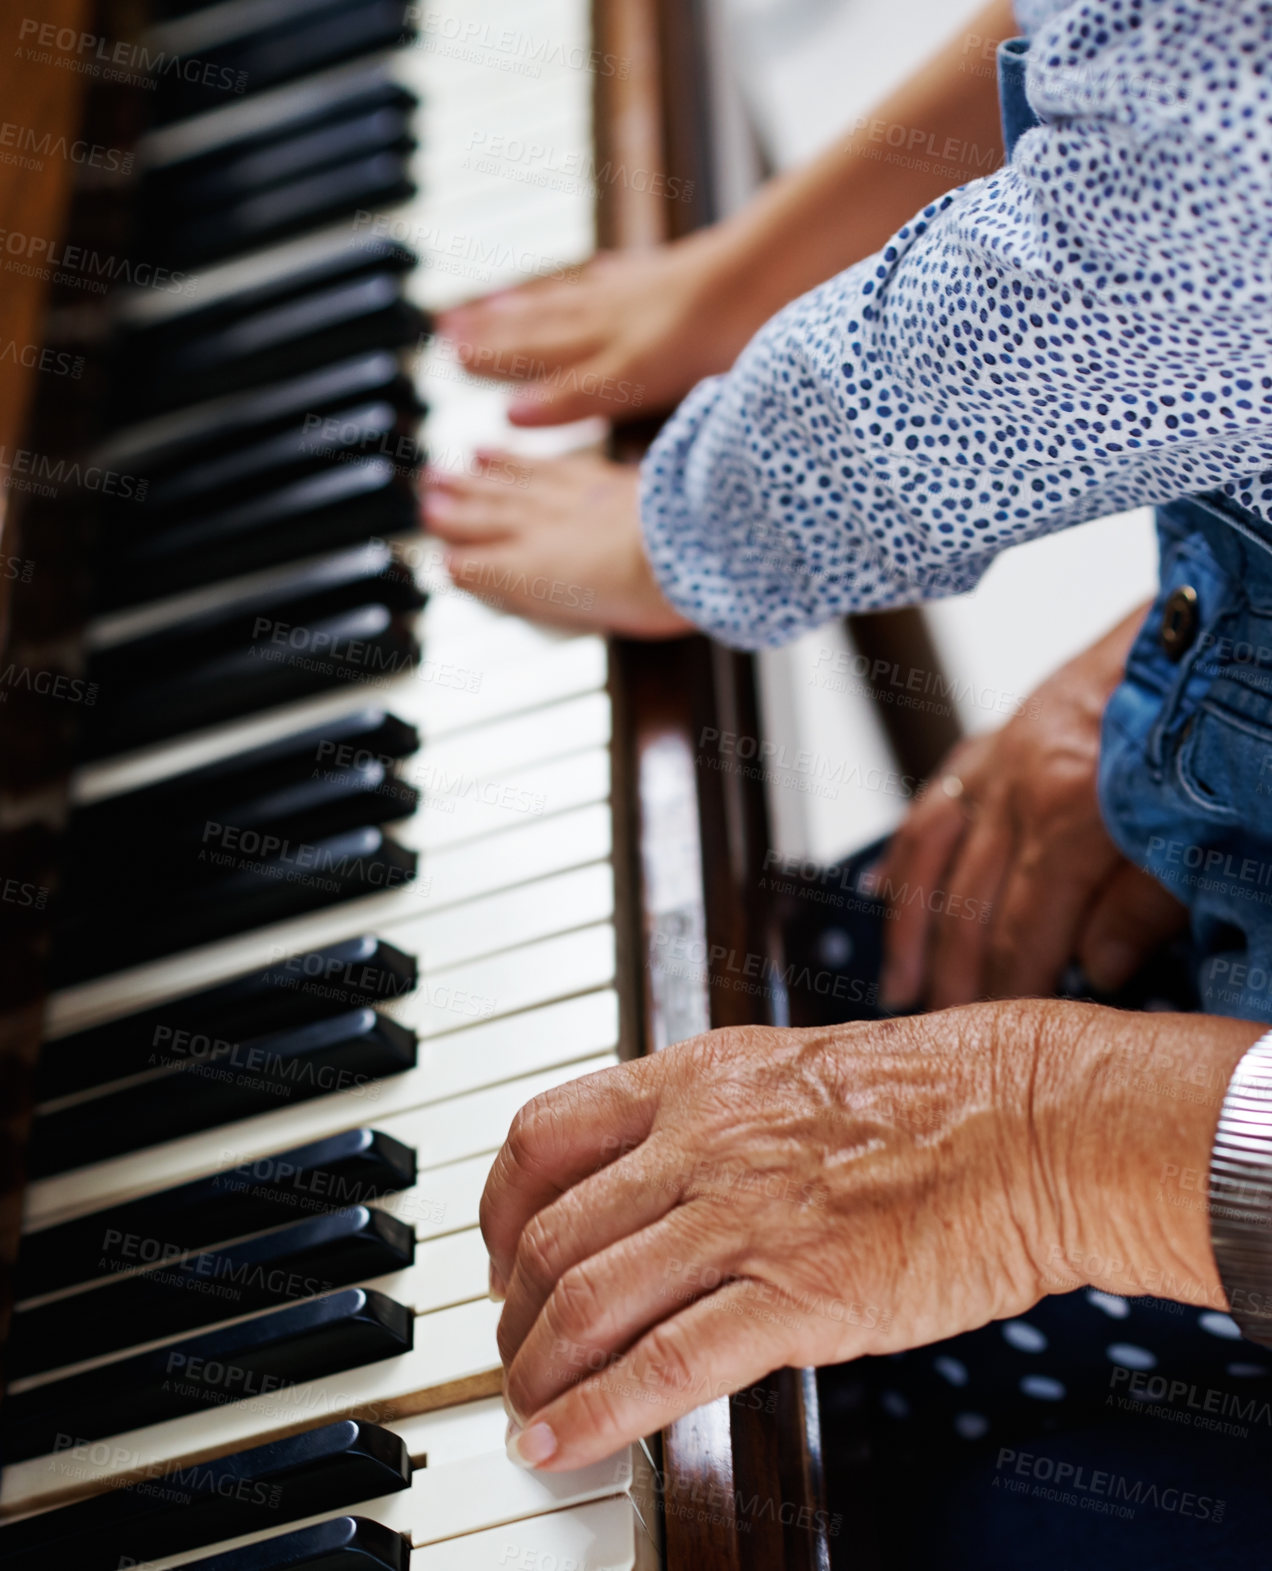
[314, 867]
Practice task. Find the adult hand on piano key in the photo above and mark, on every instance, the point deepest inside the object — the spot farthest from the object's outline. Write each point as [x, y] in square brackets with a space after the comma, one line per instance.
[672, 1229]
[555, 539]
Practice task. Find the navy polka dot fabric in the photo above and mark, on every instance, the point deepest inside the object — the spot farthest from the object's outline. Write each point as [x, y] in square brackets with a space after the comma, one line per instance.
[1088, 330]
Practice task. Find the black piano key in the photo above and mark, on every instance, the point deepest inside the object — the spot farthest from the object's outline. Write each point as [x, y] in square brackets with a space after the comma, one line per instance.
[349, 617]
[260, 887]
[227, 426]
[317, 782]
[297, 1261]
[329, 33]
[148, 859]
[342, 504]
[351, 1168]
[219, 1084]
[373, 427]
[293, 336]
[362, 736]
[298, 331]
[168, 10]
[292, 141]
[342, 581]
[346, 1330]
[367, 256]
[331, 1468]
[348, 1543]
[377, 179]
[333, 802]
[297, 991]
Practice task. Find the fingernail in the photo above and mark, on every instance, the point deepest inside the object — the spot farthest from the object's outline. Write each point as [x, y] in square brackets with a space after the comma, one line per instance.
[438, 505]
[1111, 964]
[531, 1448]
[523, 408]
[498, 1289]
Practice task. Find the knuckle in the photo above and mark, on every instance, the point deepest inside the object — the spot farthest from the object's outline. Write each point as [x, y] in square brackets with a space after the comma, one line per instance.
[576, 1305]
[525, 1132]
[599, 1402]
[669, 1358]
[538, 1254]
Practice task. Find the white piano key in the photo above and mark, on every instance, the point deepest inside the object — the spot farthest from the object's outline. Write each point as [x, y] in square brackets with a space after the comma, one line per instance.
[441, 1130]
[448, 1199]
[454, 1357]
[577, 665]
[515, 856]
[506, 919]
[462, 808]
[480, 1493]
[453, 1434]
[515, 742]
[597, 1537]
[445, 1131]
[492, 924]
[447, 763]
[516, 980]
[451, 1270]
[455, 688]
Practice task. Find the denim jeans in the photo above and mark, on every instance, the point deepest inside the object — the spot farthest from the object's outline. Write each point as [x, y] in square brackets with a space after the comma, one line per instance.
[1186, 752]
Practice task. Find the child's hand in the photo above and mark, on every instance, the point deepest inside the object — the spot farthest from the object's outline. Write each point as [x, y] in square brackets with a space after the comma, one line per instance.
[630, 333]
[557, 540]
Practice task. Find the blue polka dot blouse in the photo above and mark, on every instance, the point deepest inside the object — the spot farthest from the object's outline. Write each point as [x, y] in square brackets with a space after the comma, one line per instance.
[1087, 330]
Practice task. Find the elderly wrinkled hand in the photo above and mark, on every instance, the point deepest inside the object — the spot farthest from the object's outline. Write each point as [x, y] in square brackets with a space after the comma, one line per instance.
[1012, 837]
[673, 1229]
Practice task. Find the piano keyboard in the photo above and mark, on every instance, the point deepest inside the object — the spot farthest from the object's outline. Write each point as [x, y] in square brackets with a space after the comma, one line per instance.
[345, 897]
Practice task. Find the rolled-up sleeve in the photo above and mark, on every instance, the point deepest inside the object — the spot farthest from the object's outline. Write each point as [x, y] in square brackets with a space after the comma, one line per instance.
[1087, 330]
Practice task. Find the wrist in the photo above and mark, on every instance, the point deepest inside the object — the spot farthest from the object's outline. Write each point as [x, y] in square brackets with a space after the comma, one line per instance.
[742, 271]
[1126, 1110]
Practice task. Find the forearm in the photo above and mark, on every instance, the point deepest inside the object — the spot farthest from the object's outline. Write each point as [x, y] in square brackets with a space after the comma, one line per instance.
[940, 129]
[1127, 1106]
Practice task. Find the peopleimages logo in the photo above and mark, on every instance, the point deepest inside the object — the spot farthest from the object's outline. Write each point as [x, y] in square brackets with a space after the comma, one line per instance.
[117, 60]
[1094, 1489]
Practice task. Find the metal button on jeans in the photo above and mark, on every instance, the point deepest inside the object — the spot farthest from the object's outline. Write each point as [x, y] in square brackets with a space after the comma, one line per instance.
[1179, 621]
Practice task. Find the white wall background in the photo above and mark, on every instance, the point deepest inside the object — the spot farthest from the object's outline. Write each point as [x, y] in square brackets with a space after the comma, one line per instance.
[799, 71]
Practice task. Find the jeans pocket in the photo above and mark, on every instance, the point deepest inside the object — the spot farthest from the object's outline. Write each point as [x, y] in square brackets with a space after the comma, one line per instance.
[1224, 761]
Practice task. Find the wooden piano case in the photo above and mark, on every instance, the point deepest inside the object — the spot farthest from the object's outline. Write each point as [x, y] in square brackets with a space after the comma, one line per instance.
[739, 1484]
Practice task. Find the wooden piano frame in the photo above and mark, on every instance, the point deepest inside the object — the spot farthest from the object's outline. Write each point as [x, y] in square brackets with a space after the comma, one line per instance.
[740, 1485]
